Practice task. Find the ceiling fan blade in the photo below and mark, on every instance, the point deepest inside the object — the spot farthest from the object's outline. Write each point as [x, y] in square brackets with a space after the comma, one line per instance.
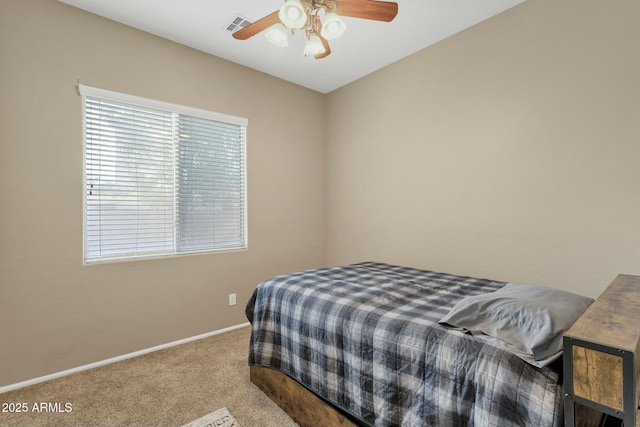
[368, 9]
[327, 49]
[260, 25]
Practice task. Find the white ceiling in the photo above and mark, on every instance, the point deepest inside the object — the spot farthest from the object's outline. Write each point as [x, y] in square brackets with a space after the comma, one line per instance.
[365, 47]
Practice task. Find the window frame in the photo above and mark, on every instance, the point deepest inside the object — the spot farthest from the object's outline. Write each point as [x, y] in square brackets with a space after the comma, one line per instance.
[142, 102]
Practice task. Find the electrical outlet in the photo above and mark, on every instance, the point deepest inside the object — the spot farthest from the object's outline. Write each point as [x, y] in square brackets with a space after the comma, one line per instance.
[232, 299]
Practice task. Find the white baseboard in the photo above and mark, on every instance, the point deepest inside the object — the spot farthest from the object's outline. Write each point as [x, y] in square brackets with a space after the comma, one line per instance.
[53, 376]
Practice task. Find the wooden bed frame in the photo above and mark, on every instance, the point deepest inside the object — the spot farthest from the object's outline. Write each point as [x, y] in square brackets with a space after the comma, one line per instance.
[309, 410]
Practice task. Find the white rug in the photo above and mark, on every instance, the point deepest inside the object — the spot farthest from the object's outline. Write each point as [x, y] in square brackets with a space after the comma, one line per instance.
[219, 418]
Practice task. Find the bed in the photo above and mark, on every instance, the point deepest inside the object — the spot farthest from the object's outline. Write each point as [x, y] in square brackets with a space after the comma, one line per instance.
[374, 344]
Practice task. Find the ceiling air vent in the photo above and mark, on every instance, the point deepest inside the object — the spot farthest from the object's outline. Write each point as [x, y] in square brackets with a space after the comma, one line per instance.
[237, 23]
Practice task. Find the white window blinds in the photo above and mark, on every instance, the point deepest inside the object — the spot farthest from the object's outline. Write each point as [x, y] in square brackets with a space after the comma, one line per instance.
[161, 179]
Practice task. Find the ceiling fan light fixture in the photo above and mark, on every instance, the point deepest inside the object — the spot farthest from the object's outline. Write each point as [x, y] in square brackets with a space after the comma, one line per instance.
[319, 20]
[332, 26]
[292, 14]
[277, 34]
[313, 46]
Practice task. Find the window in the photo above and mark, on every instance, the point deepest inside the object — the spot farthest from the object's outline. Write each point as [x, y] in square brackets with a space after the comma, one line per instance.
[160, 179]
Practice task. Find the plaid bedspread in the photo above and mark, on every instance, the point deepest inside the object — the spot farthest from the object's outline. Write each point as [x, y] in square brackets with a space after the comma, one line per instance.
[365, 337]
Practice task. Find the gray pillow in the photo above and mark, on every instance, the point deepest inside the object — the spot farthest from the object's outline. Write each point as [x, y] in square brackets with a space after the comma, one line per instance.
[526, 320]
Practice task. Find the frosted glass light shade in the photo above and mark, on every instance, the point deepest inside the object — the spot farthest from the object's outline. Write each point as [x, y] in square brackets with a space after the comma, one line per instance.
[332, 26]
[313, 46]
[292, 14]
[277, 34]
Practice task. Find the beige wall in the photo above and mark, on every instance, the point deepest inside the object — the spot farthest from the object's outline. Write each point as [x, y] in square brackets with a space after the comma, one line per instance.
[508, 151]
[56, 314]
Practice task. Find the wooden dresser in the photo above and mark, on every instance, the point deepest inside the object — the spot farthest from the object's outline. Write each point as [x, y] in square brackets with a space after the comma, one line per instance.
[602, 355]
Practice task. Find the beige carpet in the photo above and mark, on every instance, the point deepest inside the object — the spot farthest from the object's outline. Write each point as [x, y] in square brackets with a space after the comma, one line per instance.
[170, 387]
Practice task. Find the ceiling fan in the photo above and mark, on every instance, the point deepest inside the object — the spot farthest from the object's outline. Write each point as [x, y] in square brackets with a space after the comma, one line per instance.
[319, 19]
